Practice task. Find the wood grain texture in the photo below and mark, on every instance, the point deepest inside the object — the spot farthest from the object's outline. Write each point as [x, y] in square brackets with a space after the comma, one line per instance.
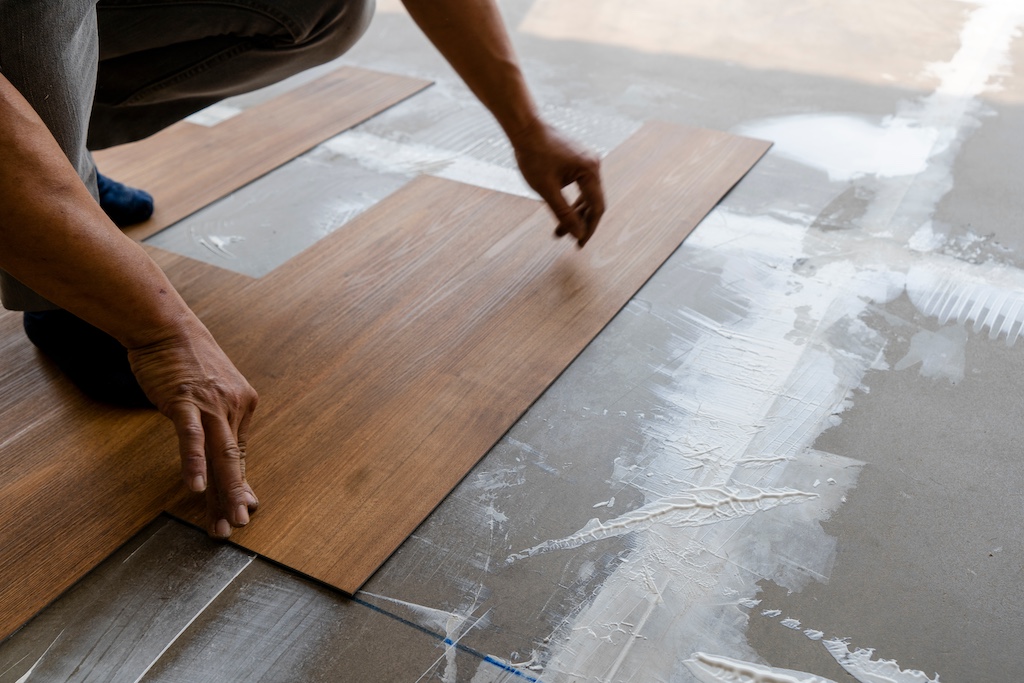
[77, 479]
[389, 357]
[187, 166]
[450, 310]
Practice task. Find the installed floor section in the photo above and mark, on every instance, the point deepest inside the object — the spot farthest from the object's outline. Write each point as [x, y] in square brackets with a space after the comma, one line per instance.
[211, 161]
[390, 358]
[781, 337]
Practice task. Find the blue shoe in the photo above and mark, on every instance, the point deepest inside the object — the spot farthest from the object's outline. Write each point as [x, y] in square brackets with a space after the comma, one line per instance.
[124, 205]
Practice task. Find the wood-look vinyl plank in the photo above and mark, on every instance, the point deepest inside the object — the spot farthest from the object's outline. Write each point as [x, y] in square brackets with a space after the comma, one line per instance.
[439, 330]
[187, 166]
[77, 479]
[390, 357]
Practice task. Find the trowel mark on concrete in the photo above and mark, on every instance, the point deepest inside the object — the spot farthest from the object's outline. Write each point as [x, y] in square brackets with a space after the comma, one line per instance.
[989, 295]
[718, 669]
[750, 398]
[766, 370]
[861, 666]
[696, 507]
[858, 663]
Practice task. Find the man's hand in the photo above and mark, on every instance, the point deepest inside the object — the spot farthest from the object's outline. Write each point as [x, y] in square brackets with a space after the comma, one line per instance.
[191, 381]
[471, 35]
[57, 240]
[550, 162]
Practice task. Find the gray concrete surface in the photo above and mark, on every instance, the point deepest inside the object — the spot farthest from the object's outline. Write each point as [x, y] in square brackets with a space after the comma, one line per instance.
[793, 344]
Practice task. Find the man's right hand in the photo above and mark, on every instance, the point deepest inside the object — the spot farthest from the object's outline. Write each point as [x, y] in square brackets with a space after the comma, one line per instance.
[191, 381]
[56, 240]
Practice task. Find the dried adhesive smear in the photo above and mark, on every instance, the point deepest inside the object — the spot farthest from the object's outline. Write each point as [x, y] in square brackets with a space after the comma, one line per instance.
[717, 669]
[709, 668]
[770, 354]
[861, 666]
[696, 507]
[454, 625]
[941, 354]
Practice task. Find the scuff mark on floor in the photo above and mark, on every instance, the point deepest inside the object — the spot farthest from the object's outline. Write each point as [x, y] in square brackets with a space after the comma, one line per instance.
[25, 678]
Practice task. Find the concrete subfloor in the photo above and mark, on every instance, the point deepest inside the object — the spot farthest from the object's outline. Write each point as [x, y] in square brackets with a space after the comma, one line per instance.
[836, 336]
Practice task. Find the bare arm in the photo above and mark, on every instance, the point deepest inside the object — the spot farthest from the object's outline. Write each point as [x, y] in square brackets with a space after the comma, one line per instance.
[471, 35]
[56, 240]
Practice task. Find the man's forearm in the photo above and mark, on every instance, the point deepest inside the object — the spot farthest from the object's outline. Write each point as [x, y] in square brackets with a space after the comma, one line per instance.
[56, 239]
[471, 36]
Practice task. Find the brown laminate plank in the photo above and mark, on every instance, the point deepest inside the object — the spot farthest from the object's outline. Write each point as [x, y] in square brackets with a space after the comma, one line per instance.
[188, 166]
[449, 310]
[77, 479]
[389, 358]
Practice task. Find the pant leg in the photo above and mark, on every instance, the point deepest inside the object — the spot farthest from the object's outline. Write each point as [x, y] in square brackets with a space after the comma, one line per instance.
[161, 60]
[49, 51]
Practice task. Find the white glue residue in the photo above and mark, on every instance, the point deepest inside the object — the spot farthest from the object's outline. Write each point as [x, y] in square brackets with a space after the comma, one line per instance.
[695, 507]
[989, 295]
[454, 625]
[718, 669]
[909, 155]
[738, 412]
[848, 147]
[926, 239]
[859, 663]
[861, 666]
[769, 354]
[214, 114]
[941, 354]
[24, 679]
[767, 383]
[387, 156]
[219, 244]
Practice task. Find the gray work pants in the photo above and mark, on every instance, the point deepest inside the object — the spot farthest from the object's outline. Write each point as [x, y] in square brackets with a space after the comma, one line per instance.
[104, 73]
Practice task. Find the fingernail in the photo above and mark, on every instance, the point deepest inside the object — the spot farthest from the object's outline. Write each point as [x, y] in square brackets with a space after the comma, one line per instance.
[222, 529]
[199, 483]
[251, 500]
[242, 515]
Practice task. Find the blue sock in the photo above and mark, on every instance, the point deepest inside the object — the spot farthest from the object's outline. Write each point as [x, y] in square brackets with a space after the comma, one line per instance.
[93, 360]
[124, 205]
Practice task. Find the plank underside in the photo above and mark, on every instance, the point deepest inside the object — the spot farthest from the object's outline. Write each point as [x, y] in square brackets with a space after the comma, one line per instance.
[390, 357]
[210, 162]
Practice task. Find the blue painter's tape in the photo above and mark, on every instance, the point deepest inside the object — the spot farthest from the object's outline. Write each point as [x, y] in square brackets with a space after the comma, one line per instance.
[494, 661]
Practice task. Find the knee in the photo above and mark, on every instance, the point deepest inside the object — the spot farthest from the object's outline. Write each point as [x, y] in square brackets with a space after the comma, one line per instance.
[332, 27]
